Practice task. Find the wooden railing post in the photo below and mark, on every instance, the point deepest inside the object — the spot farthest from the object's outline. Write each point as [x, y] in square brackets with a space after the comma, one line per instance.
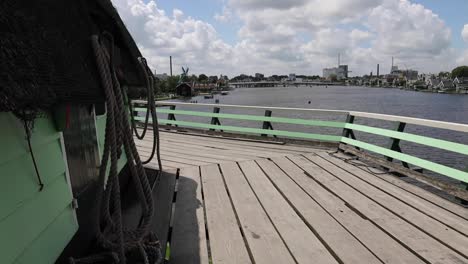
[395, 143]
[346, 131]
[214, 119]
[171, 116]
[267, 124]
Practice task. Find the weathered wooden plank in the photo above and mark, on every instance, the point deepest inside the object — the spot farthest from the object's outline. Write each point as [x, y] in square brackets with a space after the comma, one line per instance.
[264, 242]
[232, 149]
[186, 154]
[165, 165]
[243, 141]
[442, 185]
[301, 241]
[223, 145]
[434, 228]
[226, 242]
[207, 149]
[203, 150]
[188, 244]
[416, 202]
[171, 157]
[250, 144]
[419, 242]
[428, 196]
[232, 144]
[332, 219]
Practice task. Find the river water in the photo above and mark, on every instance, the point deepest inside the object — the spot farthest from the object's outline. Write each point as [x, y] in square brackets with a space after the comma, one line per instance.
[444, 107]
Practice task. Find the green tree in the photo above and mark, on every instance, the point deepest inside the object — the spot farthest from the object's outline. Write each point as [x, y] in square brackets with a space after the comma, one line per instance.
[213, 79]
[202, 78]
[443, 74]
[171, 83]
[461, 71]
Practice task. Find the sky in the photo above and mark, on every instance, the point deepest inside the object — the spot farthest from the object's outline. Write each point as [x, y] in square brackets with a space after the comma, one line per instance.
[232, 37]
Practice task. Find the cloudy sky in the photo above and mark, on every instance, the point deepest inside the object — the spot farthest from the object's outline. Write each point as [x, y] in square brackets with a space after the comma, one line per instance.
[298, 36]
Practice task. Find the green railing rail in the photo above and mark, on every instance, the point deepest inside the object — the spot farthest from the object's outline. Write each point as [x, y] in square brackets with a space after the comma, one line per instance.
[347, 137]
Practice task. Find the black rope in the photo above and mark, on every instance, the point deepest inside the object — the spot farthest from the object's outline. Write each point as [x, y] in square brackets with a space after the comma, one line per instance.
[111, 234]
[27, 129]
[150, 108]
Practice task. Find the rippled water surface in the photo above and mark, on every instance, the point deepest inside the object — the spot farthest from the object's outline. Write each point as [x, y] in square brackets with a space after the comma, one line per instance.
[444, 107]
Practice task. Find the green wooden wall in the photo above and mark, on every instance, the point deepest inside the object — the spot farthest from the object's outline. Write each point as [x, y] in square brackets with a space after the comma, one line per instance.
[34, 226]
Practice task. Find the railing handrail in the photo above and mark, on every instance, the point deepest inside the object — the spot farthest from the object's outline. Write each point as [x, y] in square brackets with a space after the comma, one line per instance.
[249, 107]
[409, 120]
[393, 151]
[414, 120]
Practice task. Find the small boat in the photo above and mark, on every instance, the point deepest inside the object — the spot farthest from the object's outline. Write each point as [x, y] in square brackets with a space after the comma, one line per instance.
[208, 96]
[224, 93]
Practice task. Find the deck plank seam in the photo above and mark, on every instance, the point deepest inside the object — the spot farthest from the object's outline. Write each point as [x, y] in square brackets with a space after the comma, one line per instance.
[384, 176]
[231, 145]
[398, 198]
[246, 151]
[392, 212]
[360, 213]
[172, 217]
[328, 212]
[268, 145]
[266, 213]
[239, 224]
[207, 233]
[319, 237]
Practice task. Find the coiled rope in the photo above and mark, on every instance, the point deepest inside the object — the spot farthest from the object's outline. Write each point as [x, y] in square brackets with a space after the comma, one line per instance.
[111, 235]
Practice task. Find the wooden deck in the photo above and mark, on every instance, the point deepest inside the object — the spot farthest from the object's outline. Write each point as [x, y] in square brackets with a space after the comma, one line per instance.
[252, 202]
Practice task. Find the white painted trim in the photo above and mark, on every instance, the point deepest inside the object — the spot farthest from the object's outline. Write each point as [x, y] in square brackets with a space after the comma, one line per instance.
[409, 120]
[414, 121]
[253, 107]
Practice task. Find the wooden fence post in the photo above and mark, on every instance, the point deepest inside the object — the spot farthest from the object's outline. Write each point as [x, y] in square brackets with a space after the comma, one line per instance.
[171, 116]
[267, 124]
[214, 119]
[395, 143]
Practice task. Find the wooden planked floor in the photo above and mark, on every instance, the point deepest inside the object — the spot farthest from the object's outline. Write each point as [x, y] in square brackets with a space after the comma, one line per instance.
[292, 204]
[180, 150]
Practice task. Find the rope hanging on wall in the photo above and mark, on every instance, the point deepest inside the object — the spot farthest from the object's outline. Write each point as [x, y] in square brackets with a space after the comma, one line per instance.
[119, 242]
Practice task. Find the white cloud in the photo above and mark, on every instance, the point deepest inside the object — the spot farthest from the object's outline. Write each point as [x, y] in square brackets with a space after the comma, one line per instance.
[300, 36]
[225, 16]
[464, 33]
[189, 41]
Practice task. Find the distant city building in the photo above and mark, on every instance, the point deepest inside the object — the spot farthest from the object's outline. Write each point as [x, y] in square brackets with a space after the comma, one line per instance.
[408, 74]
[411, 75]
[341, 72]
[292, 77]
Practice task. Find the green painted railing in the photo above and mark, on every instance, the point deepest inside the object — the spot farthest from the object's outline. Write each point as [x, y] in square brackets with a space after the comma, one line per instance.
[347, 128]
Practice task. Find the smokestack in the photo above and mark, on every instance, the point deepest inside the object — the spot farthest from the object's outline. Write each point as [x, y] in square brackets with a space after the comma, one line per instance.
[378, 70]
[339, 62]
[170, 62]
[392, 63]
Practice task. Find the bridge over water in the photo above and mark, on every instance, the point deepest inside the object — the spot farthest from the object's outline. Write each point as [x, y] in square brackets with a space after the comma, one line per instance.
[279, 83]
